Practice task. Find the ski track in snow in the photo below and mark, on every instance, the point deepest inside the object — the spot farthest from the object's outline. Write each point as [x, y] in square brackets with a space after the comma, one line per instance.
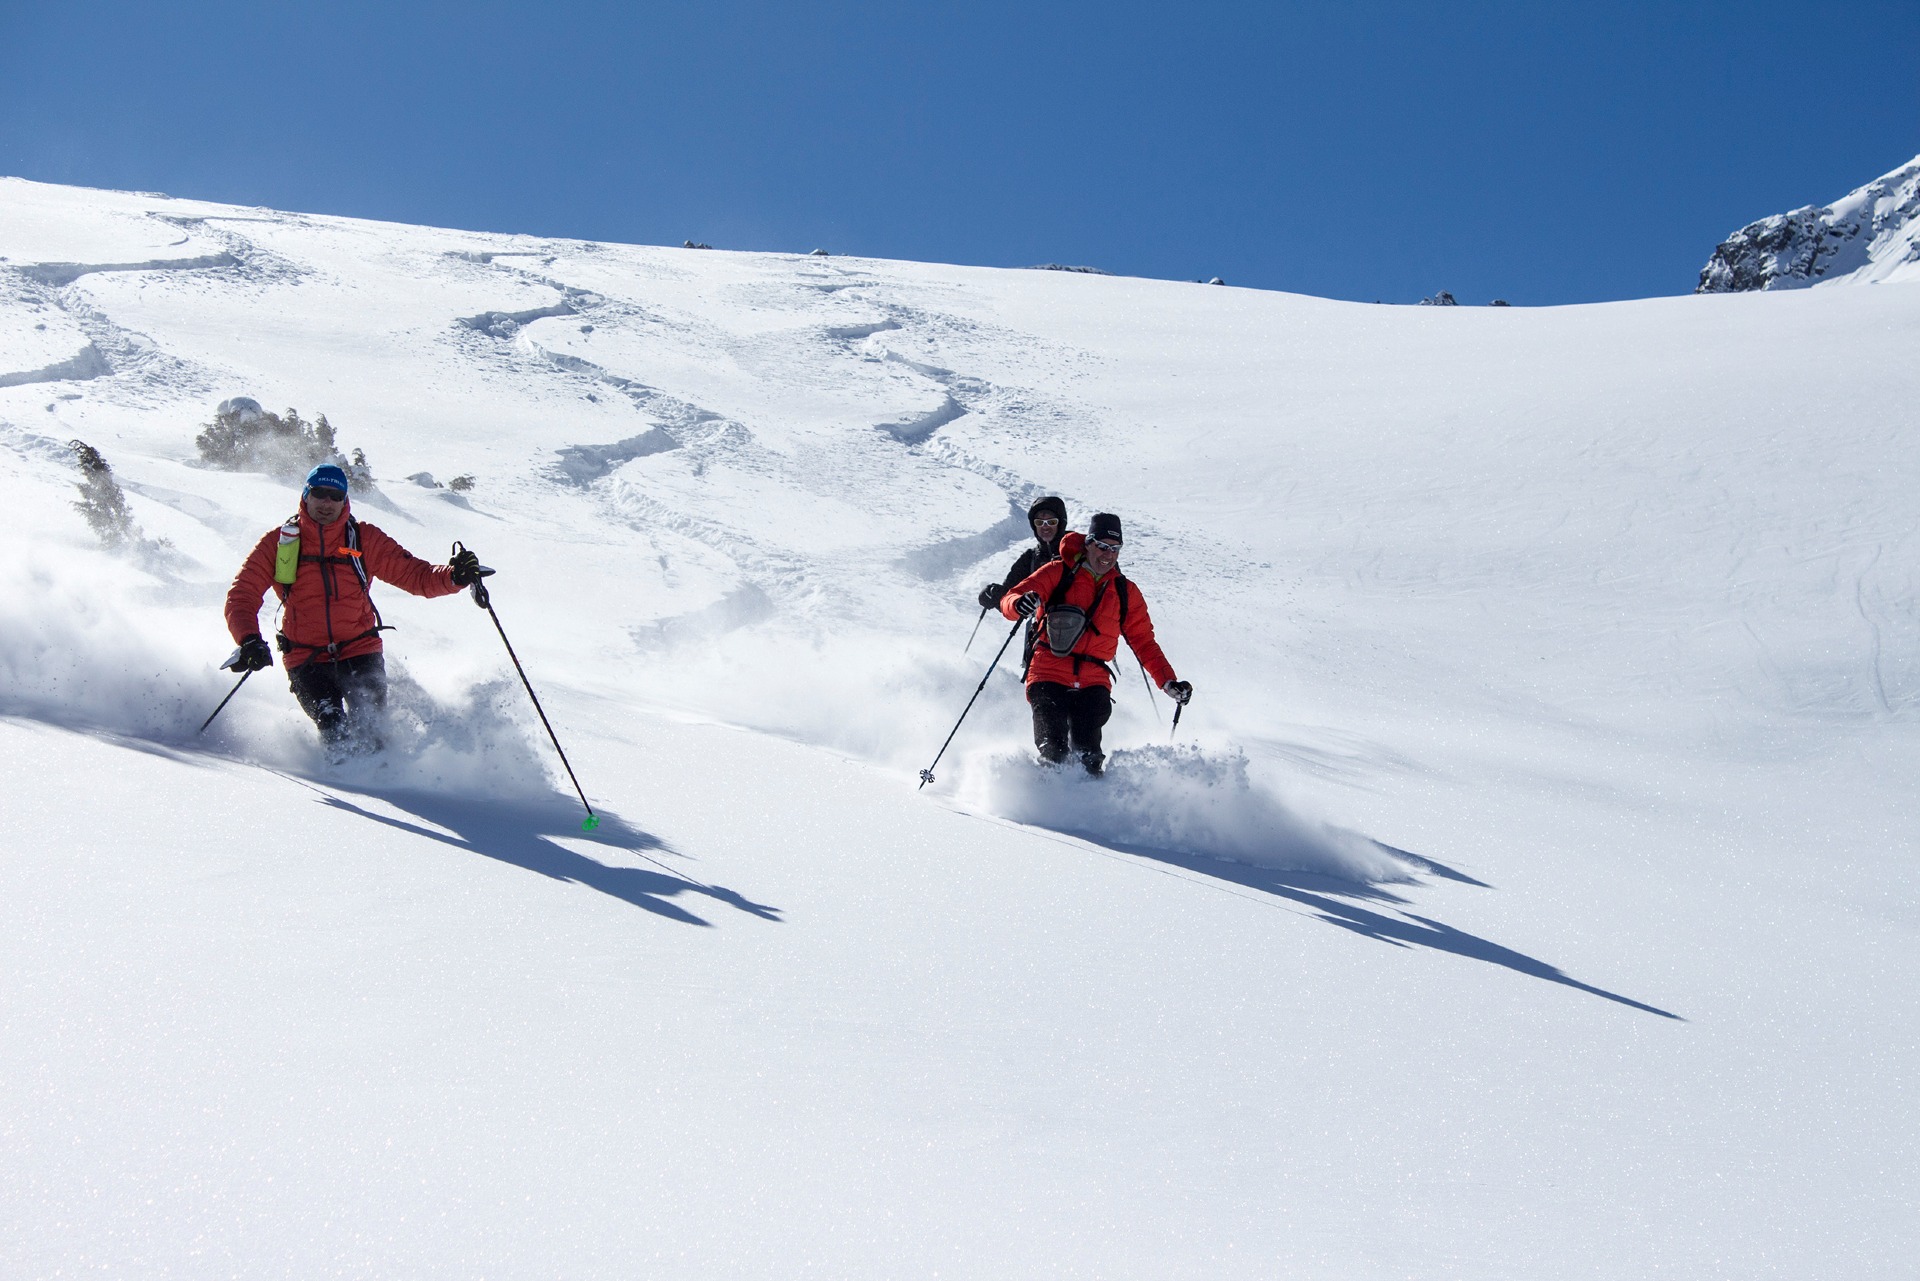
[115, 352]
[711, 439]
[87, 365]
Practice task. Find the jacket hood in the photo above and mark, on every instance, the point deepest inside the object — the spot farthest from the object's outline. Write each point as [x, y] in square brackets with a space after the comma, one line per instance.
[1059, 510]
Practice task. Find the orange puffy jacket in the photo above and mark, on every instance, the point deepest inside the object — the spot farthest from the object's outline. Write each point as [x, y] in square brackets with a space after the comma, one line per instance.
[327, 606]
[1087, 663]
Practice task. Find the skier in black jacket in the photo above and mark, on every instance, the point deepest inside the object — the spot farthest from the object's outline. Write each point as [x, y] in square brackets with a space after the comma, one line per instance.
[1048, 520]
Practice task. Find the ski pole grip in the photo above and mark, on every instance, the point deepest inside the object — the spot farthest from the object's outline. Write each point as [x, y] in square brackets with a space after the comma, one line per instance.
[480, 596]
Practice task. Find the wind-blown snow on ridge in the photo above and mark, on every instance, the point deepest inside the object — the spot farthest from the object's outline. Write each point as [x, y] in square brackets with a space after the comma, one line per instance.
[1869, 236]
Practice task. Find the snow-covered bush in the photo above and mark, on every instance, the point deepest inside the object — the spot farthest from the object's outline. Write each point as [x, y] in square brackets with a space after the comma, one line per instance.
[101, 501]
[244, 437]
[105, 506]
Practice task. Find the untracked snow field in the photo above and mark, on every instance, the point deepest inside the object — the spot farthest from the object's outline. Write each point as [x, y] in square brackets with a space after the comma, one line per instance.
[1530, 891]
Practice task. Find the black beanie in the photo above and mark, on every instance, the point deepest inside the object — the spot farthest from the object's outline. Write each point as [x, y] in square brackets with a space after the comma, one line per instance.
[1106, 527]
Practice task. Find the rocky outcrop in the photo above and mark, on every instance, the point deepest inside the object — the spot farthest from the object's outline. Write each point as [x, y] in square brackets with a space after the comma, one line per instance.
[1872, 235]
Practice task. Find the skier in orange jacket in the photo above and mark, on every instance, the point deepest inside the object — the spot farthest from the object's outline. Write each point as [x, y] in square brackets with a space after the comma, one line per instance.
[322, 564]
[1084, 605]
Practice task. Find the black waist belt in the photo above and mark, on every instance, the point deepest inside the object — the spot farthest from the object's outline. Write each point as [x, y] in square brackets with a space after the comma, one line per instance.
[331, 649]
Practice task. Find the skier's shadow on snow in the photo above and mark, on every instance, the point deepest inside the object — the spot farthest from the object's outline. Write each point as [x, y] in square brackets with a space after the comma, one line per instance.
[1339, 902]
[522, 834]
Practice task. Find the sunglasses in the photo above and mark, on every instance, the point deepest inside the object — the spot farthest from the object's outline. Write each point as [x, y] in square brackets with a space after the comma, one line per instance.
[1046, 520]
[1104, 545]
[328, 495]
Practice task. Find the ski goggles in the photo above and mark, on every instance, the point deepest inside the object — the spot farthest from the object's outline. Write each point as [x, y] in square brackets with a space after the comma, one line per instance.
[326, 495]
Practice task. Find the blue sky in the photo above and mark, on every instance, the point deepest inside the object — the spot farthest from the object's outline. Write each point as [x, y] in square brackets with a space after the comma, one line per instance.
[1540, 152]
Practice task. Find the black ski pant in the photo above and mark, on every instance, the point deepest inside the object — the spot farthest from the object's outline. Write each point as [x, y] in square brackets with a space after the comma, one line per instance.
[346, 699]
[1067, 720]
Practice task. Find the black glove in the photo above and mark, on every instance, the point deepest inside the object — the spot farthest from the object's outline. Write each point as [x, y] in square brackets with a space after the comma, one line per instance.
[990, 595]
[467, 569]
[1178, 691]
[252, 655]
[1027, 606]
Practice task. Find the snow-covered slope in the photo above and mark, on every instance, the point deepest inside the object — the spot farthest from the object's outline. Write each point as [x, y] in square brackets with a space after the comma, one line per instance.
[1869, 236]
[1531, 891]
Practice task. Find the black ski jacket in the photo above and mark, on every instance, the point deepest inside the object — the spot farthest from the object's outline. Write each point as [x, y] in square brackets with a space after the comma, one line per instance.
[1043, 550]
[1032, 558]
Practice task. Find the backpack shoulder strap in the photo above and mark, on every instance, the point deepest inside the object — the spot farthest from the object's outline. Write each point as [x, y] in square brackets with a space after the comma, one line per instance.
[359, 570]
[1068, 568]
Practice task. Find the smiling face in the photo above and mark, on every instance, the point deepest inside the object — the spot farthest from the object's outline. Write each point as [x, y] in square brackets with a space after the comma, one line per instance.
[1102, 555]
[325, 505]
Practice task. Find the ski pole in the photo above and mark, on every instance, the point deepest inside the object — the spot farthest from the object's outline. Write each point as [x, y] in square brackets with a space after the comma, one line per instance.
[976, 628]
[229, 698]
[1148, 682]
[1177, 709]
[926, 775]
[485, 601]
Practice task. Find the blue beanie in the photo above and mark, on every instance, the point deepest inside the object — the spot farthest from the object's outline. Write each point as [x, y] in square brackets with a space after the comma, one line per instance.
[326, 476]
